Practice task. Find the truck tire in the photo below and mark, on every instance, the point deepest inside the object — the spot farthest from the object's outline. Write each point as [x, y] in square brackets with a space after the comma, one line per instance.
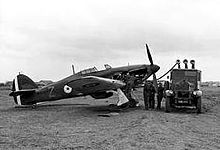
[167, 104]
[199, 105]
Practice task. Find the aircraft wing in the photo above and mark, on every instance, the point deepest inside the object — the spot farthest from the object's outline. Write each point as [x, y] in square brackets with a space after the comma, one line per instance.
[92, 84]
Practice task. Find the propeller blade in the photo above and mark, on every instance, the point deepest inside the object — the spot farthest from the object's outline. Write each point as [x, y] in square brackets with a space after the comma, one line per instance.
[149, 55]
[154, 75]
[155, 82]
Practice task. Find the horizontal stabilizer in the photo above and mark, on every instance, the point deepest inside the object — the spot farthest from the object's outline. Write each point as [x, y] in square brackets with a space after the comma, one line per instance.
[22, 92]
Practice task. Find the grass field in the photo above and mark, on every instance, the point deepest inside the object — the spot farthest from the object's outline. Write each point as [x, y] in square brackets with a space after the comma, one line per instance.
[76, 124]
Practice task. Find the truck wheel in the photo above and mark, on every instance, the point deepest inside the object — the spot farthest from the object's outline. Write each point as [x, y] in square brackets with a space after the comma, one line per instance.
[199, 105]
[167, 104]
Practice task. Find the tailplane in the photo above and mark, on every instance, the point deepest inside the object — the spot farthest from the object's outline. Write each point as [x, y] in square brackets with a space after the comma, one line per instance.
[23, 89]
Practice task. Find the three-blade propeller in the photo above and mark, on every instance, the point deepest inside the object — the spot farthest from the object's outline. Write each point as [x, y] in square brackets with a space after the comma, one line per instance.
[151, 63]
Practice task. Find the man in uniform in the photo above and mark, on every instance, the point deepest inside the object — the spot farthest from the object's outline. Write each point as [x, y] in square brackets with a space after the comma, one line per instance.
[149, 93]
[130, 80]
[146, 94]
[160, 95]
[152, 96]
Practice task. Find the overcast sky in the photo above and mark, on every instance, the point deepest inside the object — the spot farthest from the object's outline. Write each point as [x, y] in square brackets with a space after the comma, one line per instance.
[43, 38]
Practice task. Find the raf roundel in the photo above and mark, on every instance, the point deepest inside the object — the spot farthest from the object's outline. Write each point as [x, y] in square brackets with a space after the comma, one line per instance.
[67, 89]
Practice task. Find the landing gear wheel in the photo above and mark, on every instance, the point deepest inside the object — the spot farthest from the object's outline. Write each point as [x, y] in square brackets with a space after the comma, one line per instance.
[124, 106]
[132, 104]
[33, 106]
[199, 105]
[167, 104]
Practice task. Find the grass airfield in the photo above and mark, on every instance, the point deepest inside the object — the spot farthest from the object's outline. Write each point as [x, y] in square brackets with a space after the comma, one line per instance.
[76, 124]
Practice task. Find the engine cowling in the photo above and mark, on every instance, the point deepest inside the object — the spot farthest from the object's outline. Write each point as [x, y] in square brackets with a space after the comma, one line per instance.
[102, 95]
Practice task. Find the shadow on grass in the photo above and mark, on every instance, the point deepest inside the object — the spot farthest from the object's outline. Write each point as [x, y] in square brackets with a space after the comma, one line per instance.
[185, 110]
[42, 107]
[84, 109]
[87, 108]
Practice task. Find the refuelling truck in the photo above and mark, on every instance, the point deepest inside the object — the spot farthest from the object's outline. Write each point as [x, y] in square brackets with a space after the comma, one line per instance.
[183, 89]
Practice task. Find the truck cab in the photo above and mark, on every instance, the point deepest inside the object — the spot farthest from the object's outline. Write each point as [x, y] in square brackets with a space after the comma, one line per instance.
[184, 89]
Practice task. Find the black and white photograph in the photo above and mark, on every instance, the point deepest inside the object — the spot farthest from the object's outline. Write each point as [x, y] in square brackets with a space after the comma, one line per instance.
[109, 74]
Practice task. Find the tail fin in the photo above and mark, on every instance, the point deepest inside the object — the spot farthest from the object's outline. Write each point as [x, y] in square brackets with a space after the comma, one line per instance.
[22, 89]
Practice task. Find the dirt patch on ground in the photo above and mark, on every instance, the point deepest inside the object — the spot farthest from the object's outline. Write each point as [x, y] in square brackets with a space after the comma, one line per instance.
[77, 124]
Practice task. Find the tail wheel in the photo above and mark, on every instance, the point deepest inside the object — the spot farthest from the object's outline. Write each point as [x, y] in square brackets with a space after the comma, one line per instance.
[199, 105]
[167, 104]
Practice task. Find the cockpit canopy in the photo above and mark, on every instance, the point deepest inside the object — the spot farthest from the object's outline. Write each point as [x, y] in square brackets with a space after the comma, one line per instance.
[87, 71]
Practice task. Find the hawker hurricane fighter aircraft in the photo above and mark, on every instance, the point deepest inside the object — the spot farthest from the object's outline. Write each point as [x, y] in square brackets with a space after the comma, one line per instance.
[98, 84]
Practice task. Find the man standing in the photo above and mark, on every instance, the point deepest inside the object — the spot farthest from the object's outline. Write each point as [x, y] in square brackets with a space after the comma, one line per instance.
[146, 94]
[130, 82]
[160, 95]
[149, 93]
[152, 96]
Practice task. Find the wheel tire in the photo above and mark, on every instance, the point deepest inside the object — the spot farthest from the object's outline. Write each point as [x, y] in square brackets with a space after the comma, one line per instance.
[199, 105]
[167, 104]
